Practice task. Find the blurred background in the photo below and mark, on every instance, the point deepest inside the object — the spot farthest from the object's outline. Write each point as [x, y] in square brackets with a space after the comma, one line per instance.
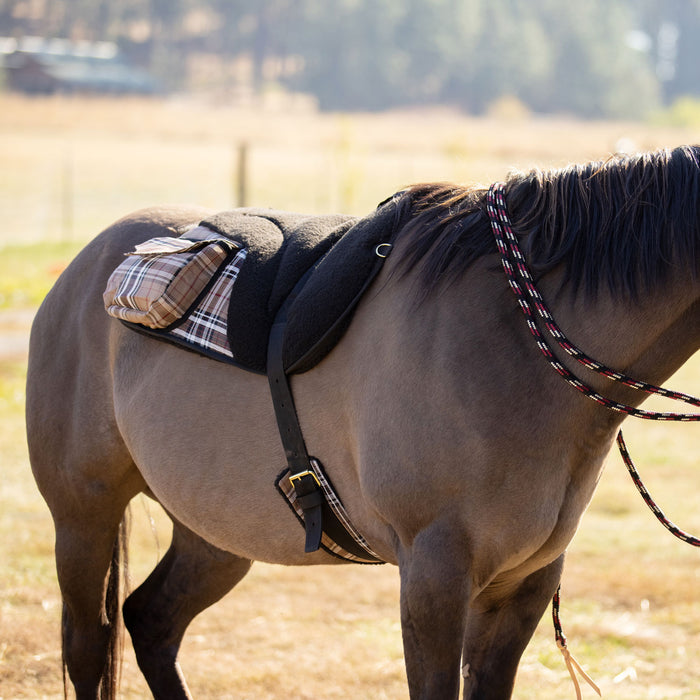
[323, 106]
[320, 105]
[597, 59]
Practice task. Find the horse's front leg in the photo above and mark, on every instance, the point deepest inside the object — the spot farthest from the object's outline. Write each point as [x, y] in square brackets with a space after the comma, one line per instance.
[499, 627]
[434, 598]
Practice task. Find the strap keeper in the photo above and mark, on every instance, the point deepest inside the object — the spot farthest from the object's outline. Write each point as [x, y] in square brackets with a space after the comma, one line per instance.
[310, 500]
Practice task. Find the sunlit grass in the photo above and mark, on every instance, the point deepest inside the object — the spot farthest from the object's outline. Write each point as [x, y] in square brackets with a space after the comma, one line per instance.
[27, 272]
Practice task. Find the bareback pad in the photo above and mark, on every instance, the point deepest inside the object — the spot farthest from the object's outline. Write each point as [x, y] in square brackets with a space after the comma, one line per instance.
[294, 284]
[280, 248]
[318, 266]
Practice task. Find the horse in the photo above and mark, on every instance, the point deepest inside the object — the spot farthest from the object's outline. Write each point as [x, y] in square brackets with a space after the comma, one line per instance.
[456, 451]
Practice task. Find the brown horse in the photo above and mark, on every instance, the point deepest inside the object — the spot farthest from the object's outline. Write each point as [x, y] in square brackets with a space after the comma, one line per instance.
[457, 452]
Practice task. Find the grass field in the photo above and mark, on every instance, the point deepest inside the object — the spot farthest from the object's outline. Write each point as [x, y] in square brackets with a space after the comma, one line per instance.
[630, 605]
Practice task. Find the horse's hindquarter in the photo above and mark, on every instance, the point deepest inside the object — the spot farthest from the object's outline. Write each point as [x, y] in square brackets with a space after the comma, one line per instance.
[111, 412]
[75, 446]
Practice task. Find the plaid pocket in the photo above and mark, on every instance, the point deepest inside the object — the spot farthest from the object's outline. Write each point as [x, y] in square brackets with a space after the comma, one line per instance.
[163, 278]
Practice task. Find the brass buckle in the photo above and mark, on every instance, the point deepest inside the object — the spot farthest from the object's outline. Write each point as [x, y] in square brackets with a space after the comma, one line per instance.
[301, 475]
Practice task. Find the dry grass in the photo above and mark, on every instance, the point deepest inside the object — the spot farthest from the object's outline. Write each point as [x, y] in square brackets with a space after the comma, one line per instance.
[630, 605]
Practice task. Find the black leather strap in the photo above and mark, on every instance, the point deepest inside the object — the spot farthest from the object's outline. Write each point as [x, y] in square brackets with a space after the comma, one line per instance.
[308, 490]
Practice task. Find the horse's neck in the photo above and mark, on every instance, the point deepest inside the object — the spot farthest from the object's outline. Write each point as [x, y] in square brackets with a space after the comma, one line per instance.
[477, 322]
[648, 338]
[468, 346]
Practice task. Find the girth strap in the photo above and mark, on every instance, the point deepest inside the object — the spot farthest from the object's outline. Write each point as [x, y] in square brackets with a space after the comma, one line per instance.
[307, 487]
[310, 494]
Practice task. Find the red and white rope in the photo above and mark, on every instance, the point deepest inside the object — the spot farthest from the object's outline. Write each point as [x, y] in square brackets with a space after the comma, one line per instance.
[513, 261]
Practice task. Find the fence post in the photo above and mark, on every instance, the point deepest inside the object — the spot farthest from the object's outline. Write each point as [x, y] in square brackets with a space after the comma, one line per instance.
[67, 193]
[241, 177]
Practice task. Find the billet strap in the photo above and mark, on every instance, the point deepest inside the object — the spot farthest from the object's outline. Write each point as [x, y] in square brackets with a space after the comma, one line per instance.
[306, 484]
[326, 522]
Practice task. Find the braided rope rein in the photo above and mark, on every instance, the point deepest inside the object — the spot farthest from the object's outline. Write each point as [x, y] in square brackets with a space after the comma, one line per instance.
[513, 261]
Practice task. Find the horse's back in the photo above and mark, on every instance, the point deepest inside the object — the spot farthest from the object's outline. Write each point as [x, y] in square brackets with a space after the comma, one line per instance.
[71, 430]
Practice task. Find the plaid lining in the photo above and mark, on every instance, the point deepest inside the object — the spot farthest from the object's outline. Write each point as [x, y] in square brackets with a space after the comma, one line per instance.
[288, 491]
[159, 282]
[206, 325]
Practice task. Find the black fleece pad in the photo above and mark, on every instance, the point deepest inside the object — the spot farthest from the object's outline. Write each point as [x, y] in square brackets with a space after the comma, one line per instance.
[336, 253]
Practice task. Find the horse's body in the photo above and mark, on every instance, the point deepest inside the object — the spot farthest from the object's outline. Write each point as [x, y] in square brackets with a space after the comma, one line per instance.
[459, 455]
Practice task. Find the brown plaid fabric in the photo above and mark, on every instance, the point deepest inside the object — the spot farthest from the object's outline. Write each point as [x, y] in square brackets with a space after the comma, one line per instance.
[158, 283]
[206, 327]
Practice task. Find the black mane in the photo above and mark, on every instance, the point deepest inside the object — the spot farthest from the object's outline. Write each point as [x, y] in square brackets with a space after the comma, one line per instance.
[625, 222]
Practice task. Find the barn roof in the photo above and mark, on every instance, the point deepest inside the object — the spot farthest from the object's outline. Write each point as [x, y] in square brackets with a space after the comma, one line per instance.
[35, 64]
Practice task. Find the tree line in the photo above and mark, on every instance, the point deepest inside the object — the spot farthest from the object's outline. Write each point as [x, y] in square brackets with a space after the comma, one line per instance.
[598, 58]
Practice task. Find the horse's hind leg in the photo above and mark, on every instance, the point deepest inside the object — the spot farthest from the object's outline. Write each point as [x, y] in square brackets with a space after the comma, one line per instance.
[87, 478]
[498, 630]
[89, 559]
[189, 578]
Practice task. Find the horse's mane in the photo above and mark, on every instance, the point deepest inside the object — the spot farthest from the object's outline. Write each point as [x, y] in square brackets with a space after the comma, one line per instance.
[624, 222]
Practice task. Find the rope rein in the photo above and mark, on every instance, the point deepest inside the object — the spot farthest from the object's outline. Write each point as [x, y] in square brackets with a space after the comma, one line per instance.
[515, 267]
[503, 231]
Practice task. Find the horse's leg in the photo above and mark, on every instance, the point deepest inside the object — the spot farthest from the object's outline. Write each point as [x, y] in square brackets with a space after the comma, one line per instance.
[88, 564]
[189, 578]
[87, 479]
[499, 629]
[434, 597]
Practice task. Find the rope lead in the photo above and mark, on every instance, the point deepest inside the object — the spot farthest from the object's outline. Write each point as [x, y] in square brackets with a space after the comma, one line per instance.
[574, 667]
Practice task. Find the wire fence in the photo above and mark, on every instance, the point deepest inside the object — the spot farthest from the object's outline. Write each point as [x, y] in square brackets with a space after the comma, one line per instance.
[69, 168]
[71, 189]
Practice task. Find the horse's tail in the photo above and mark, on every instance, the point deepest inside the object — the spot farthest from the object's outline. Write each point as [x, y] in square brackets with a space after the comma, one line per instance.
[117, 588]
